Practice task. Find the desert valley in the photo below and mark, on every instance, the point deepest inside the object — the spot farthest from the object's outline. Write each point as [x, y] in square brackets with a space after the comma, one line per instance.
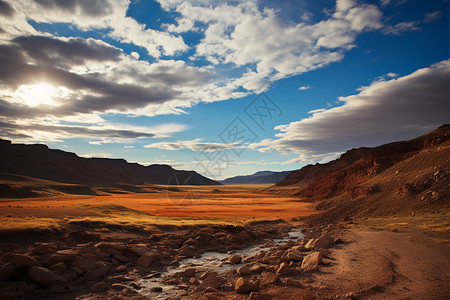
[204, 149]
[371, 224]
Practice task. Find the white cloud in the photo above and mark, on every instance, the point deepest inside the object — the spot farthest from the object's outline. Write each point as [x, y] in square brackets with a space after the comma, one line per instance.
[88, 15]
[381, 112]
[392, 75]
[195, 145]
[96, 155]
[401, 27]
[244, 35]
[304, 87]
[432, 16]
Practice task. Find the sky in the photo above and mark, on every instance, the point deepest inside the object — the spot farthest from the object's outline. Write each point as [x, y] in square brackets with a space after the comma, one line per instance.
[222, 87]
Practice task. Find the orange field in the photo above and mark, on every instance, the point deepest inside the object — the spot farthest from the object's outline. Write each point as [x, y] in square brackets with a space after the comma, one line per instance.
[221, 202]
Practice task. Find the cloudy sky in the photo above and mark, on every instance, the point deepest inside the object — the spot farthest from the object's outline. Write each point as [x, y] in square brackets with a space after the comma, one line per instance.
[222, 87]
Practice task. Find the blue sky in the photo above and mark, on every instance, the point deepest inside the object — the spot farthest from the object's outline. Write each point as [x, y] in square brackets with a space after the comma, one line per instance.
[173, 81]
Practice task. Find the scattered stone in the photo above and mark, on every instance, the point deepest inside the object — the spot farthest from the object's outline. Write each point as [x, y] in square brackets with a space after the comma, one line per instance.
[7, 271]
[395, 230]
[119, 287]
[99, 287]
[291, 281]
[121, 268]
[322, 242]
[85, 264]
[96, 274]
[268, 279]
[294, 255]
[45, 277]
[59, 268]
[311, 261]
[351, 295]
[210, 290]
[21, 260]
[77, 270]
[139, 249]
[147, 259]
[257, 268]
[189, 272]
[284, 269]
[211, 280]
[254, 295]
[156, 289]
[235, 259]
[70, 275]
[57, 289]
[244, 270]
[244, 286]
[153, 274]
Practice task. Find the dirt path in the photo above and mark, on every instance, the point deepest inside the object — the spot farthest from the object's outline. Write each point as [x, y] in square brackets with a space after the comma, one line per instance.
[375, 264]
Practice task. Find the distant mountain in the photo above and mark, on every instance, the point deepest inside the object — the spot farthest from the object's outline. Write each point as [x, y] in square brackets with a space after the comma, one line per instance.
[393, 178]
[258, 177]
[39, 161]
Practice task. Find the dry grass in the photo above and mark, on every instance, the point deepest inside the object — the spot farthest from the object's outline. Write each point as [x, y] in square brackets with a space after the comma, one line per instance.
[116, 216]
[15, 225]
[150, 212]
[435, 224]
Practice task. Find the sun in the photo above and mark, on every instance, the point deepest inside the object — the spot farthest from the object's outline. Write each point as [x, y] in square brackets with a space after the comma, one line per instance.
[37, 94]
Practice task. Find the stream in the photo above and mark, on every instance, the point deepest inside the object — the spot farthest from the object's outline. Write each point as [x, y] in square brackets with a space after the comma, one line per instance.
[208, 261]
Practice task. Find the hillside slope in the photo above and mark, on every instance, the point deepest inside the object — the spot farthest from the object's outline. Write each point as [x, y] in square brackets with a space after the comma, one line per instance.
[39, 161]
[258, 177]
[389, 179]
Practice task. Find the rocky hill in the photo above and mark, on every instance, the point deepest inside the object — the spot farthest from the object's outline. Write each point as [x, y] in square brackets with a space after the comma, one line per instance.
[39, 161]
[396, 177]
[258, 177]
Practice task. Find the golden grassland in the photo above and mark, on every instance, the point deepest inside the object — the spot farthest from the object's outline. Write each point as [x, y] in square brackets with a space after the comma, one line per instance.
[149, 212]
[434, 223]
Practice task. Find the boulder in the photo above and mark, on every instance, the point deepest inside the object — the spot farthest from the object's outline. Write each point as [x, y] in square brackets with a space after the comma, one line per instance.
[139, 249]
[284, 269]
[85, 264]
[322, 242]
[70, 275]
[244, 270]
[99, 287]
[211, 280]
[96, 274]
[156, 289]
[59, 268]
[268, 278]
[189, 272]
[235, 259]
[21, 260]
[147, 259]
[294, 255]
[257, 268]
[42, 250]
[7, 271]
[311, 261]
[45, 277]
[244, 286]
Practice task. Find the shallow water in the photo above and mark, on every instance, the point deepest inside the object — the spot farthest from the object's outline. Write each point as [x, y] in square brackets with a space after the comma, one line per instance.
[208, 261]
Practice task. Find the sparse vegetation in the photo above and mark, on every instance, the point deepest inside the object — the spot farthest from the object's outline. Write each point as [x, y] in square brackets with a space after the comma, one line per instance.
[435, 223]
[14, 225]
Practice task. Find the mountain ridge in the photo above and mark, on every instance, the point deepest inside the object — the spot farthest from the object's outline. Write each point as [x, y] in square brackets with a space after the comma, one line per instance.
[392, 178]
[39, 161]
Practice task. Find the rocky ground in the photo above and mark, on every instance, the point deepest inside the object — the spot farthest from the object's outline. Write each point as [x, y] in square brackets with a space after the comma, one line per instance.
[332, 262]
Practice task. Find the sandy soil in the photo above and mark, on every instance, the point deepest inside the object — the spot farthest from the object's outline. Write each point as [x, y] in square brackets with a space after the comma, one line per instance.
[378, 264]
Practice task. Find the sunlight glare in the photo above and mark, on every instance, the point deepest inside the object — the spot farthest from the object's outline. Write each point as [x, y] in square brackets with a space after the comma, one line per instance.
[37, 94]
